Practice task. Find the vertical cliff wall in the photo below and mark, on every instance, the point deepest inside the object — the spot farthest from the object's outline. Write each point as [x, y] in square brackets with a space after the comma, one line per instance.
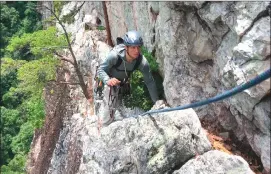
[205, 48]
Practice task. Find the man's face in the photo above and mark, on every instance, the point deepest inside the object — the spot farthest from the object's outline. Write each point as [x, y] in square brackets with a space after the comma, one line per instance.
[133, 51]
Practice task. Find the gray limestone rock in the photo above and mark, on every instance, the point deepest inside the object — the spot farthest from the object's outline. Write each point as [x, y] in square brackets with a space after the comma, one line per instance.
[148, 144]
[215, 162]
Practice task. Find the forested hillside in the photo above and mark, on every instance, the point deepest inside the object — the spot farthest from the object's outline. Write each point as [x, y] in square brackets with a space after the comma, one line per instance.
[27, 63]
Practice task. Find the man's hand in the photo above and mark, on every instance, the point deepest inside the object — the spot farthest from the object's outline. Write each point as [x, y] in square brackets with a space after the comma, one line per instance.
[159, 104]
[113, 82]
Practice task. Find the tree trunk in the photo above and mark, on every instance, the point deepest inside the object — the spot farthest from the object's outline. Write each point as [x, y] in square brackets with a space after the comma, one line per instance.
[108, 31]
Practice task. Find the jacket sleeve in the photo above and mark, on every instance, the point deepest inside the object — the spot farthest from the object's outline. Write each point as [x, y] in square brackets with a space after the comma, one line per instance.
[105, 66]
[148, 79]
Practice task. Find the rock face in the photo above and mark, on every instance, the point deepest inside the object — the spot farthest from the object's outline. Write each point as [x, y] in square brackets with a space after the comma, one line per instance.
[44, 12]
[215, 162]
[157, 144]
[203, 49]
[45, 139]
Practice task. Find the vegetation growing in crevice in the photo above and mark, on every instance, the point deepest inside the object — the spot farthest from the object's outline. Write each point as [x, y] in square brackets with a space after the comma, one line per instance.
[101, 28]
[139, 92]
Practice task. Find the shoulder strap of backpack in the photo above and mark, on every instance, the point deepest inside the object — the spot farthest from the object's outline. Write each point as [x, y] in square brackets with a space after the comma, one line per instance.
[138, 61]
[119, 61]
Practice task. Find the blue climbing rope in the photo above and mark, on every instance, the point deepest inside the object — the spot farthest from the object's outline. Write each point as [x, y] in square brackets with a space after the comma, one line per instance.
[265, 75]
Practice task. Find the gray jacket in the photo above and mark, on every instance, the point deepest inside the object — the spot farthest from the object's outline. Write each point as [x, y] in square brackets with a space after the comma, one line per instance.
[106, 69]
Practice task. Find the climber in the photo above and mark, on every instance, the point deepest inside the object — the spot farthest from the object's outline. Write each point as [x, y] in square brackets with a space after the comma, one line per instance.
[115, 71]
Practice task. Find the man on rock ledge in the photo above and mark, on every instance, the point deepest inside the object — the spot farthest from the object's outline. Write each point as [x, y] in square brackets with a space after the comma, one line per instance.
[115, 71]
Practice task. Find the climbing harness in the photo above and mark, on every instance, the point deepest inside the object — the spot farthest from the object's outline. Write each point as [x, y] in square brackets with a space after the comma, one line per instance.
[114, 92]
[125, 87]
[265, 75]
[113, 99]
[99, 86]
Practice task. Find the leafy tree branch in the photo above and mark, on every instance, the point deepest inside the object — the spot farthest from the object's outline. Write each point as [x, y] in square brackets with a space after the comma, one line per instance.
[75, 64]
[64, 58]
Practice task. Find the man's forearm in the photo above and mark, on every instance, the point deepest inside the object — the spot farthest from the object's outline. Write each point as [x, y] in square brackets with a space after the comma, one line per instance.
[152, 91]
[103, 75]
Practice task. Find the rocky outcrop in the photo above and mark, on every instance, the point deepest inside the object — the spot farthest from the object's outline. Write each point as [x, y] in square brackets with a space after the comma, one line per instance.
[215, 162]
[203, 48]
[45, 139]
[45, 14]
[161, 143]
[157, 144]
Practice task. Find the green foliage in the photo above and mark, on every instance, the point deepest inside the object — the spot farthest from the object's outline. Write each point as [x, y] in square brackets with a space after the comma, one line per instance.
[45, 42]
[8, 80]
[23, 85]
[101, 28]
[33, 112]
[21, 142]
[139, 92]
[17, 17]
[19, 48]
[16, 165]
[34, 109]
[42, 71]
[8, 65]
[152, 61]
[9, 69]
[35, 45]
[9, 23]
[23, 78]
[32, 19]
[13, 98]
[18, 127]
[9, 126]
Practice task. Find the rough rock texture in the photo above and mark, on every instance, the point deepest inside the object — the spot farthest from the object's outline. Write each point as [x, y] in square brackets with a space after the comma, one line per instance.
[215, 162]
[157, 144]
[45, 139]
[44, 12]
[88, 17]
[203, 48]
